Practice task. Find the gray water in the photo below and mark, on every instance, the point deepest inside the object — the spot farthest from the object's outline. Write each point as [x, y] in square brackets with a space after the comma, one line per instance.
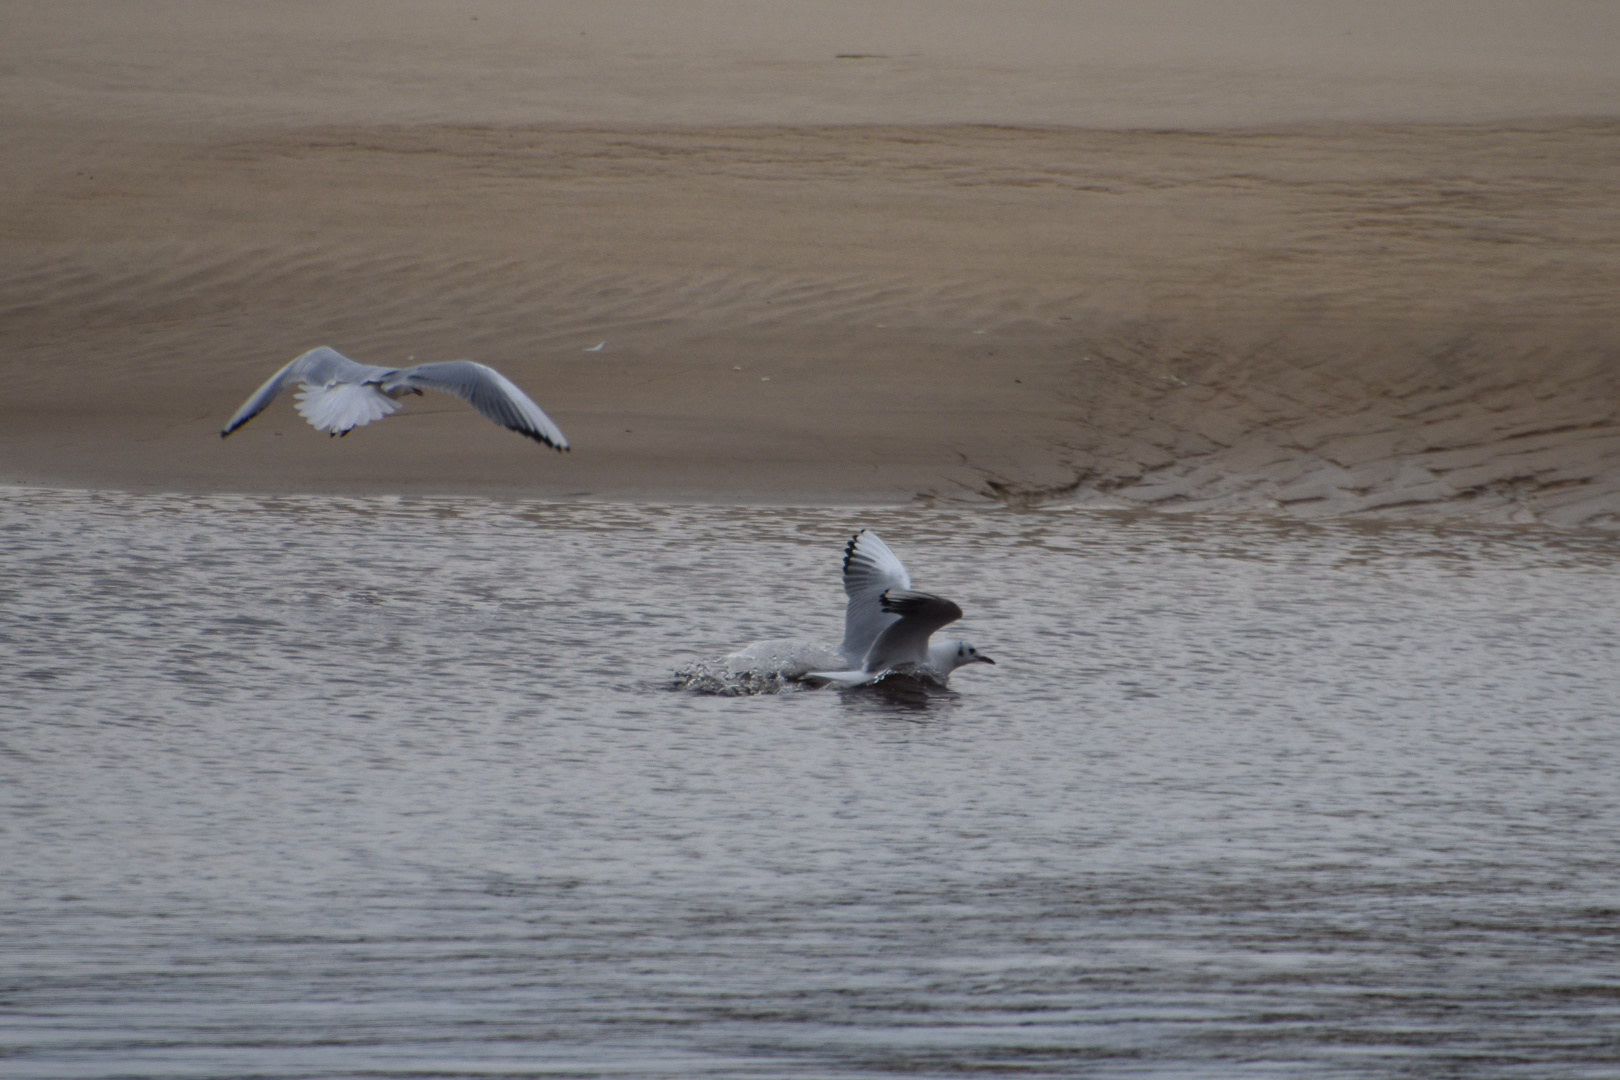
[310, 787]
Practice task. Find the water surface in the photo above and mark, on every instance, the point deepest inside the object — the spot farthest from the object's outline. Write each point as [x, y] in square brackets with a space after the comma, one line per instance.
[311, 787]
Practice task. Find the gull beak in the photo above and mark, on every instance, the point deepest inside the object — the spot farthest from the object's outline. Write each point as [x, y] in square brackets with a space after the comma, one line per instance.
[984, 660]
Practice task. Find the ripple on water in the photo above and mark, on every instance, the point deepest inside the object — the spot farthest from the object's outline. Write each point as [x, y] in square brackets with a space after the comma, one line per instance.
[340, 787]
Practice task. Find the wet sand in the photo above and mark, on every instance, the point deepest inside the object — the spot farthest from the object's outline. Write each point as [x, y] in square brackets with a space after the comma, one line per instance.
[1275, 257]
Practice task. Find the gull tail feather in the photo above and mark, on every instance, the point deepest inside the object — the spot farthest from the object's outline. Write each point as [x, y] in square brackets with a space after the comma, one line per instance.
[342, 406]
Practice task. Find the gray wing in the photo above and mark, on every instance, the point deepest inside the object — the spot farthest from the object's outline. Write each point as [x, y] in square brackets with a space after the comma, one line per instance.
[870, 570]
[906, 640]
[488, 391]
[318, 367]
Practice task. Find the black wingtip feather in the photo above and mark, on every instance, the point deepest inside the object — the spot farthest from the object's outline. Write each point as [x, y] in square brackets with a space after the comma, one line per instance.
[537, 437]
[849, 548]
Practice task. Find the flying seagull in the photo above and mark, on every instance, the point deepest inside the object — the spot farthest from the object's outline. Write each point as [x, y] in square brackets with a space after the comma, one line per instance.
[340, 395]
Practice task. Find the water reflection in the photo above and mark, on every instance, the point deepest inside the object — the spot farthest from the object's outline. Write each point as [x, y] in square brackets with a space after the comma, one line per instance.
[899, 695]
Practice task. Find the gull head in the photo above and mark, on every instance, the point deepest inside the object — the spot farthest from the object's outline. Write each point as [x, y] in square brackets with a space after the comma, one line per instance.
[946, 656]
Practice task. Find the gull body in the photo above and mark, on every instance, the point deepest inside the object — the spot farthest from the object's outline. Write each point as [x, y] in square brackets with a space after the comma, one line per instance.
[339, 395]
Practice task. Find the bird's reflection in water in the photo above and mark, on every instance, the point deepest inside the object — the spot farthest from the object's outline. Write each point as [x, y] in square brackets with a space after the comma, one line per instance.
[900, 694]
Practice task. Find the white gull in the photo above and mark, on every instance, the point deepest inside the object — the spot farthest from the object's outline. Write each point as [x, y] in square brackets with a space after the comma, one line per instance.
[887, 626]
[340, 395]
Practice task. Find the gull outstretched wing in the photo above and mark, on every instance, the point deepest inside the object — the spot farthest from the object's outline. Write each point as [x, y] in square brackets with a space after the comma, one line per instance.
[870, 570]
[488, 391]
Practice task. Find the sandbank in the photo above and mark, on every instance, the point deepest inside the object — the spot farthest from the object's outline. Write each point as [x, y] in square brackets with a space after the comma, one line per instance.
[1306, 258]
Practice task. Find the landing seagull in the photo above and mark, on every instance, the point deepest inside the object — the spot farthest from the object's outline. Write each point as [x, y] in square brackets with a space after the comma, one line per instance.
[340, 395]
[887, 625]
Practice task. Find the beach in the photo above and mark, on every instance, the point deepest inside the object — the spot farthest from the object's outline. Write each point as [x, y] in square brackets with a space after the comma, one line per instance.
[1291, 259]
